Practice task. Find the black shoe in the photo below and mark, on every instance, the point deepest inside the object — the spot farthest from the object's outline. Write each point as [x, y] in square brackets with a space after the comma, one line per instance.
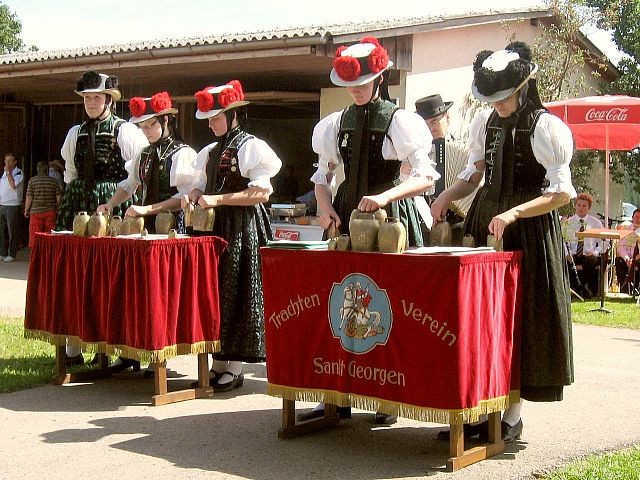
[213, 381]
[343, 413]
[509, 433]
[121, 364]
[470, 430]
[95, 360]
[236, 382]
[384, 419]
[74, 361]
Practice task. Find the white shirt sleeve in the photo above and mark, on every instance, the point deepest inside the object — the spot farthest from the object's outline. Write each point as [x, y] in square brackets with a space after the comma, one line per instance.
[409, 140]
[68, 153]
[552, 145]
[130, 184]
[324, 142]
[131, 141]
[183, 174]
[200, 168]
[259, 163]
[477, 135]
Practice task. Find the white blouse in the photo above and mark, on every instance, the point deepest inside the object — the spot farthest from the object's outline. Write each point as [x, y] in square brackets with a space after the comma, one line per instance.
[182, 175]
[552, 145]
[408, 140]
[130, 139]
[256, 159]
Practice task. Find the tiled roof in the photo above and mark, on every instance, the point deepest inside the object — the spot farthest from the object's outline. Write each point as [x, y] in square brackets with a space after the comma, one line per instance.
[315, 34]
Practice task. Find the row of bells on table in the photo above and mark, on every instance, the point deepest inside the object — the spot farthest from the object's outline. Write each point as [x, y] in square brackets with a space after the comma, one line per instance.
[371, 232]
[441, 236]
[99, 225]
[374, 231]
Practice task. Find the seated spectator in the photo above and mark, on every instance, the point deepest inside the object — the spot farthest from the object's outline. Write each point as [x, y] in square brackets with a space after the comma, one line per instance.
[44, 194]
[583, 252]
[628, 254]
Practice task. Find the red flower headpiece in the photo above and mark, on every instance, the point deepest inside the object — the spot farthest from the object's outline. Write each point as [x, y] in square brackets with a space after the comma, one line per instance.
[161, 101]
[137, 106]
[158, 103]
[231, 95]
[349, 67]
[205, 99]
[226, 95]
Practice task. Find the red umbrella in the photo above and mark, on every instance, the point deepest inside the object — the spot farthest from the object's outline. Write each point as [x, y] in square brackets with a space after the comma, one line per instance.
[607, 122]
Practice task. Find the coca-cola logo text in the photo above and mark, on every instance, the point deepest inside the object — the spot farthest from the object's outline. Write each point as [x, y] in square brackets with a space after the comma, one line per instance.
[287, 234]
[616, 114]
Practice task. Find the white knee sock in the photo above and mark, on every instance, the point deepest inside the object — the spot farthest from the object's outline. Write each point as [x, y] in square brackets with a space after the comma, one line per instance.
[72, 351]
[220, 366]
[234, 368]
[512, 414]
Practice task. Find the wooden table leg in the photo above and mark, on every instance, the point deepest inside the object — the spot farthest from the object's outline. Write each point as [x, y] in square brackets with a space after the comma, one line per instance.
[162, 394]
[461, 458]
[291, 429]
[62, 376]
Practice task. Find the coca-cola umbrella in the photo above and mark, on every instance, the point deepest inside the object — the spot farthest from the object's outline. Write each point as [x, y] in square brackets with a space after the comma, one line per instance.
[606, 122]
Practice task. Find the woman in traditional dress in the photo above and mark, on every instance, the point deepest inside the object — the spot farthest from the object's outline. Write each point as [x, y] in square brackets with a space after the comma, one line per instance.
[234, 177]
[371, 138]
[523, 152]
[96, 151]
[96, 155]
[163, 170]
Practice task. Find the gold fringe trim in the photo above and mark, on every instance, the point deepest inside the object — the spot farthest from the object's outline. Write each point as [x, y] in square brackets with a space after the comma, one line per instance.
[144, 356]
[422, 414]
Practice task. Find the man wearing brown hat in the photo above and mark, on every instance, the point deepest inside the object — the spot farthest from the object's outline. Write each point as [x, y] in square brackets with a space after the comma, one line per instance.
[448, 153]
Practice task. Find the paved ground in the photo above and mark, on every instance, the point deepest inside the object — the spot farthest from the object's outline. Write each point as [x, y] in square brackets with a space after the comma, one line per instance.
[108, 429]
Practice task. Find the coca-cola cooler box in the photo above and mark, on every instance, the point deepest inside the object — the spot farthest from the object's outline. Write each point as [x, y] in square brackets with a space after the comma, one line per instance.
[292, 231]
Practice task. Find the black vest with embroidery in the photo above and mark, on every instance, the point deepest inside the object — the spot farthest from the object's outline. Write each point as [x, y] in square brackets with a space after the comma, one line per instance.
[528, 174]
[109, 164]
[380, 171]
[223, 165]
[155, 168]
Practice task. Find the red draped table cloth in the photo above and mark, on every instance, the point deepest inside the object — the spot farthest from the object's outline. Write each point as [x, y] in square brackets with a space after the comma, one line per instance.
[429, 337]
[145, 299]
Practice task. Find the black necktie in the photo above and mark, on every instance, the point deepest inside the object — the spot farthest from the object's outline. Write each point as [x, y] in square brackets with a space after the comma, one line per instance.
[90, 154]
[358, 185]
[580, 247]
[438, 145]
[502, 173]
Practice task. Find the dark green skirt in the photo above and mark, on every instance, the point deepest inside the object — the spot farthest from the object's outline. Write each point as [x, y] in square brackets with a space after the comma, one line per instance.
[78, 198]
[246, 229]
[405, 210]
[547, 345]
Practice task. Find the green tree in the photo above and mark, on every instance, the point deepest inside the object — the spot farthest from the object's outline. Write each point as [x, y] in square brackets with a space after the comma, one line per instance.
[10, 29]
[622, 17]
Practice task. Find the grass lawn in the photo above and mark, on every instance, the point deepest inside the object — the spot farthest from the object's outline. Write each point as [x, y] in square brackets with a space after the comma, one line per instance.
[624, 312]
[620, 465]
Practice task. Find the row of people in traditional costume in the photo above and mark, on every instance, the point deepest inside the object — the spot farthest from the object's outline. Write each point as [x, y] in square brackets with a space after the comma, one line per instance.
[109, 162]
[520, 151]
